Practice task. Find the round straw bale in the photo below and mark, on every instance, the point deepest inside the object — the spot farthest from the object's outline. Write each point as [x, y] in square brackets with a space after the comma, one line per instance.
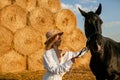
[13, 17]
[53, 5]
[35, 60]
[41, 19]
[65, 20]
[75, 41]
[4, 3]
[27, 4]
[12, 62]
[6, 38]
[27, 40]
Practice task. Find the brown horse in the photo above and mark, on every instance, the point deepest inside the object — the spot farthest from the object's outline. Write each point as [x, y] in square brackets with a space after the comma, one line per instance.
[105, 60]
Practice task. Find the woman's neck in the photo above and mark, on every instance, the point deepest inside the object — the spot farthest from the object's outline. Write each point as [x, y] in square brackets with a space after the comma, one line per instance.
[58, 53]
[55, 48]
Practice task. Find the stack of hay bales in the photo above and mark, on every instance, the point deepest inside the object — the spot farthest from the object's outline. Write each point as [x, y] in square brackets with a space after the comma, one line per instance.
[23, 24]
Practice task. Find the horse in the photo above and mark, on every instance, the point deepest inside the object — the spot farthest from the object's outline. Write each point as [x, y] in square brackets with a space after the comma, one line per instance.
[105, 52]
[92, 21]
[105, 61]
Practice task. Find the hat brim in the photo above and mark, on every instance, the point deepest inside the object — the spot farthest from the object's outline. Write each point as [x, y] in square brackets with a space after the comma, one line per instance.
[49, 40]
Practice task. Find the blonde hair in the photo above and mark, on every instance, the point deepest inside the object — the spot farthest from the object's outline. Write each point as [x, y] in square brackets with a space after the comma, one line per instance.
[49, 46]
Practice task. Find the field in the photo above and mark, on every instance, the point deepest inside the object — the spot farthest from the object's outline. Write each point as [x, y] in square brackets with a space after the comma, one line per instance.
[74, 74]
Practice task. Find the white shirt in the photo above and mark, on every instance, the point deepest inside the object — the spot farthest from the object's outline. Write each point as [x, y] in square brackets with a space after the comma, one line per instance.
[55, 69]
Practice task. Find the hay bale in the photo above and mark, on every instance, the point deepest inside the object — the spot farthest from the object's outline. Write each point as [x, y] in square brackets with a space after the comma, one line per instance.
[35, 60]
[6, 38]
[27, 41]
[65, 20]
[53, 5]
[26, 4]
[41, 19]
[12, 62]
[74, 41]
[13, 17]
[4, 3]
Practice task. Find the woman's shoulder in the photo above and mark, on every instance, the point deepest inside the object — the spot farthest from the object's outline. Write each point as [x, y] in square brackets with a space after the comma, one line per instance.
[48, 52]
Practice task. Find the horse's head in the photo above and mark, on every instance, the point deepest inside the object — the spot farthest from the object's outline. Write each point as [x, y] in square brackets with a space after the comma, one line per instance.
[92, 21]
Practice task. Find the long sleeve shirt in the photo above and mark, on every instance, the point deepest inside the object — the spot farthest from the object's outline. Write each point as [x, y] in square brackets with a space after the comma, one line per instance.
[55, 69]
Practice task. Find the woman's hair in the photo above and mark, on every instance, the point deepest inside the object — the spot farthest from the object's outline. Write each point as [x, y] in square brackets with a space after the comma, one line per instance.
[49, 46]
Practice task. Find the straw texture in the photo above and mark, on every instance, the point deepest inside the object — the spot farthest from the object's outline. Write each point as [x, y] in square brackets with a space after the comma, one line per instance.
[13, 17]
[75, 41]
[27, 41]
[4, 3]
[6, 38]
[35, 60]
[42, 19]
[53, 5]
[12, 62]
[65, 20]
[28, 5]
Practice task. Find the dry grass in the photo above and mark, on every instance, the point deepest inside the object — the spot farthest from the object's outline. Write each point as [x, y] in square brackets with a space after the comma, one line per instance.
[79, 74]
[75, 74]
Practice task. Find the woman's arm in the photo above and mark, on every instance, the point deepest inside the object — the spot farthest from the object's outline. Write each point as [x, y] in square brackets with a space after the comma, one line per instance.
[81, 53]
[60, 68]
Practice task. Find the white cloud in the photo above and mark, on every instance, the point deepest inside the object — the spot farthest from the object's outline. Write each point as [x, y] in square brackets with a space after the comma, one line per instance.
[74, 8]
[87, 9]
[112, 24]
[68, 6]
[88, 1]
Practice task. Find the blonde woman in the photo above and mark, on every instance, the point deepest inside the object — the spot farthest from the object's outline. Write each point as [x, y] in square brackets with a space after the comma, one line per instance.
[56, 61]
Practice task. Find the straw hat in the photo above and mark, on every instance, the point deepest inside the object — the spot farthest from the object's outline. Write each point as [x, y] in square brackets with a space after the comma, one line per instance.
[50, 35]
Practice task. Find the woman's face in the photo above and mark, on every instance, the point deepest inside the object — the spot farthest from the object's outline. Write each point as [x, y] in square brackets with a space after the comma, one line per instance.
[57, 40]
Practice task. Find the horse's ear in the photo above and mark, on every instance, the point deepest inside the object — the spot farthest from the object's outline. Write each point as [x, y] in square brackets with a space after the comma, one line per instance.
[98, 11]
[82, 12]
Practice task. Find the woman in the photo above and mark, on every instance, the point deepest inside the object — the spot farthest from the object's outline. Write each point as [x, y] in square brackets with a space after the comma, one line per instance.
[56, 61]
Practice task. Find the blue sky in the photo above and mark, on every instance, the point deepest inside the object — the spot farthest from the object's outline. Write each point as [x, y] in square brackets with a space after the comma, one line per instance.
[110, 14]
